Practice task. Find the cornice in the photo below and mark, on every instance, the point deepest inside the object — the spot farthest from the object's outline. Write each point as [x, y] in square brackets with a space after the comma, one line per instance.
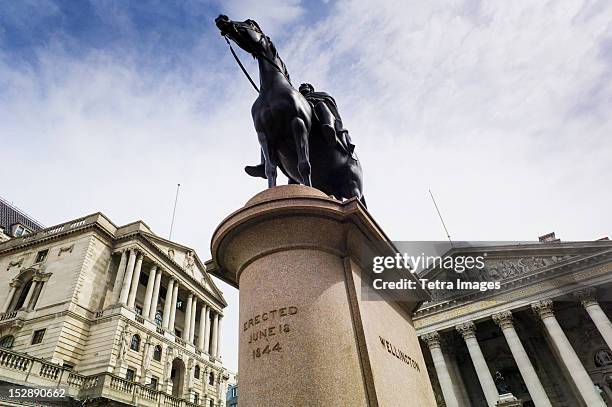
[556, 271]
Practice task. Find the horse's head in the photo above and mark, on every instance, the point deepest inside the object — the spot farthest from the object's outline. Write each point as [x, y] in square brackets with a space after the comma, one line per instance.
[246, 34]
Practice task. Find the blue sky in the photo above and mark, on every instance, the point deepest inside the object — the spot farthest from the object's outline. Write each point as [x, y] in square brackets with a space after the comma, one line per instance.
[501, 108]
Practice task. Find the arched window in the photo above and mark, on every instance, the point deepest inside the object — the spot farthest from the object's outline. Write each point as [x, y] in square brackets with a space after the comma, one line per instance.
[603, 358]
[135, 345]
[211, 379]
[159, 317]
[7, 341]
[25, 288]
[157, 353]
[196, 371]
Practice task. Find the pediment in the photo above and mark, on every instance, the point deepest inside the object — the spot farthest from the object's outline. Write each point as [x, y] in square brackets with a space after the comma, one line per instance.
[188, 260]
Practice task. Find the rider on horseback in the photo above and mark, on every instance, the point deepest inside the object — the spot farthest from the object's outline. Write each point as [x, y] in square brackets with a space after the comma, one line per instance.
[326, 113]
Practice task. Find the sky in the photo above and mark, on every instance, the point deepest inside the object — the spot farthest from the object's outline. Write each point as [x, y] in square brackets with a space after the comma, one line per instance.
[501, 108]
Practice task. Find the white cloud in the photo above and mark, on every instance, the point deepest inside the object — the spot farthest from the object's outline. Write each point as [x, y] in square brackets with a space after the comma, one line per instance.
[501, 108]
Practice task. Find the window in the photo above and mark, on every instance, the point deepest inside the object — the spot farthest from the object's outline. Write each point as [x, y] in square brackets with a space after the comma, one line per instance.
[603, 358]
[135, 345]
[7, 341]
[130, 374]
[42, 256]
[196, 398]
[153, 383]
[23, 294]
[178, 332]
[138, 310]
[38, 336]
[19, 230]
[159, 317]
[157, 353]
[212, 403]
[196, 372]
[68, 366]
[234, 392]
[211, 379]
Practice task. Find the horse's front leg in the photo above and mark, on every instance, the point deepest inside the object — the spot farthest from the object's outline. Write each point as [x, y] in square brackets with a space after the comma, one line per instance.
[270, 164]
[300, 135]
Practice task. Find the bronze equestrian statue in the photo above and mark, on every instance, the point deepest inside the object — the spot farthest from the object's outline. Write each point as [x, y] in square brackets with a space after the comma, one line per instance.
[299, 132]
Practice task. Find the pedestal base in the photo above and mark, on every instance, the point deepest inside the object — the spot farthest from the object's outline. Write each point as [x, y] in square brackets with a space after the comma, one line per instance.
[307, 335]
[508, 400]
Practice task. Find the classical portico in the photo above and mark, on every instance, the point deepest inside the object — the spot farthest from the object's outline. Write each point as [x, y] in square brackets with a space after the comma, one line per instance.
[548, 331]
[199, 317]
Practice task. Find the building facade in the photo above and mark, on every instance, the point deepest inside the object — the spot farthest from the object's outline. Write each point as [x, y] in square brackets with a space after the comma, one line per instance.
[114, 315]
[546, 332]
[232, 395]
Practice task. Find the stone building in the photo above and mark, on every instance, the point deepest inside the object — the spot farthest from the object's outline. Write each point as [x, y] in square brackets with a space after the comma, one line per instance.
[116, 315]
[547, 331]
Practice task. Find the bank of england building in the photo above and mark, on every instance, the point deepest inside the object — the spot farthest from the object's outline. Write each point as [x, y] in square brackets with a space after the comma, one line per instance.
[115, 315]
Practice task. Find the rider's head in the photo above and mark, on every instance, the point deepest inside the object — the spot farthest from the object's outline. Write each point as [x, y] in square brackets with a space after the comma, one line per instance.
[306, 88]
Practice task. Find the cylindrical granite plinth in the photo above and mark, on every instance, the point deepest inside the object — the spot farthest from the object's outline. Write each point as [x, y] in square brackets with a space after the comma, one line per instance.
[306, 338]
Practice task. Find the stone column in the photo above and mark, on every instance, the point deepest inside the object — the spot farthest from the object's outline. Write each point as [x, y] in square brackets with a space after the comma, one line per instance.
[215, 327]
[135, 279]
[127, 278]
[455, 371]
[28, 298]
[588, 299]
[433, 342]
[120, 274]
[173, 307]
[202, 331]
[194, 305]
[168, 304]
[187, 322]
[146, 306]
[155, 300]
[468, 331]
[207, 331]
[571, 361]
[9, 298]
[536, 390]
[218, 352]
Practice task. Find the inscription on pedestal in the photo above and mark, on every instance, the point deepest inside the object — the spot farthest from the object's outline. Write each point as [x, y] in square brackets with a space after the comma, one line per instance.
[265, 330]
[392, 349]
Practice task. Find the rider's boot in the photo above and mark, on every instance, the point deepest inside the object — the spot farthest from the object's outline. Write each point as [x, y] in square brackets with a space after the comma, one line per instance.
[256, 170]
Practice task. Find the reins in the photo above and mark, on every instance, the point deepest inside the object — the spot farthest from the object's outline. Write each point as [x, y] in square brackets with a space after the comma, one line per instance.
[258, 55]
[240, 64]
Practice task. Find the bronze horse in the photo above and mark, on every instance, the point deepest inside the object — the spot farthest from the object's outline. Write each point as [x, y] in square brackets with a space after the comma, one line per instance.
[287, 132]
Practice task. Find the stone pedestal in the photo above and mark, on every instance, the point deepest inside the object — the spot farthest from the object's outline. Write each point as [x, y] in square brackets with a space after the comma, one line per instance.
[307, 336]
[508, 400]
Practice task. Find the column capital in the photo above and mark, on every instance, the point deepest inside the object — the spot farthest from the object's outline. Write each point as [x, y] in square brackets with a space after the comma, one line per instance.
[543, 308]
[587, 296]
[466, 329]
[503, 319]
[432, 339]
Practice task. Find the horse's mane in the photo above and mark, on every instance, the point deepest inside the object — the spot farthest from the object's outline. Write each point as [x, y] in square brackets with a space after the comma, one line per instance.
[273, 49]
[278, 58]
